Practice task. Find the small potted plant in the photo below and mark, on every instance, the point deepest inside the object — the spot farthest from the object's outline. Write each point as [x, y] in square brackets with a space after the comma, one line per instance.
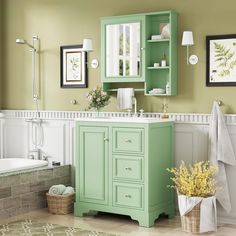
[196, 186]
[97, 99]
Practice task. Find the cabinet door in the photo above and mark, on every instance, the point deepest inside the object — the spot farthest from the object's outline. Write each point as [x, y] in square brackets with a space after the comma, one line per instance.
[93, 164]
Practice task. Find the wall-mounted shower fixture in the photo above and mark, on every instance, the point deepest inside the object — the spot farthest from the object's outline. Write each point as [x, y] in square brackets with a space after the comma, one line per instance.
[34, 50]
[37, 128]
[23, 41]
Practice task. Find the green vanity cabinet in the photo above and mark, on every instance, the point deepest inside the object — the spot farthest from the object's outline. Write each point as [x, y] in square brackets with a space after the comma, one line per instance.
[121, 168]
[129, 51]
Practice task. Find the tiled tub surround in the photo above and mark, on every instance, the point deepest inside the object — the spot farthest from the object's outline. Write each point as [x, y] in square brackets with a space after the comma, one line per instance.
[24, 191]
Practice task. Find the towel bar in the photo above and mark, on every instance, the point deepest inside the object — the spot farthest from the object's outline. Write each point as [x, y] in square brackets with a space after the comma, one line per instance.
[115, 90]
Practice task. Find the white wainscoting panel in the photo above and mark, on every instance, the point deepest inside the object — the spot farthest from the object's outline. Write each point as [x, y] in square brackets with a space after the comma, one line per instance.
[15, 138]
[1, 138]
[190, 143]
[55, 140]
[72, 144]
[191, 139]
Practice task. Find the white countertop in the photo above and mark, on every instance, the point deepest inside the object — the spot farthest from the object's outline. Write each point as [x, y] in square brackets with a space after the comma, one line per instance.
[125, 119]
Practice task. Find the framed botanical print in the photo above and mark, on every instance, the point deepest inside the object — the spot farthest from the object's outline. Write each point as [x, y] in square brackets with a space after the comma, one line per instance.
[221, 60]
[73, 67]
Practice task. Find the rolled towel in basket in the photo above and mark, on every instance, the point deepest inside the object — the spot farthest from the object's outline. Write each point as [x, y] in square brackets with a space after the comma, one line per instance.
[57, 189]
[68, 190]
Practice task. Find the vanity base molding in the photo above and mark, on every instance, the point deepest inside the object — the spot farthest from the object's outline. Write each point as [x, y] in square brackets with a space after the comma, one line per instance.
[145, 219]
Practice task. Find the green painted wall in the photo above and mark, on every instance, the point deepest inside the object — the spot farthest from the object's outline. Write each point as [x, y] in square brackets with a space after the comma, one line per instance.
[1, 50]
[60, 22]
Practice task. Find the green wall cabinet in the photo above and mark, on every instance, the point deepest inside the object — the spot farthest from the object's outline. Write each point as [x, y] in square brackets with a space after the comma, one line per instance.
[121, 168]
[128, 52]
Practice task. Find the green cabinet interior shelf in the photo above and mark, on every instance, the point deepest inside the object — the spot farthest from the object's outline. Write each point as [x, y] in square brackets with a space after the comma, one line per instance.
[128, 52]
[121, 168]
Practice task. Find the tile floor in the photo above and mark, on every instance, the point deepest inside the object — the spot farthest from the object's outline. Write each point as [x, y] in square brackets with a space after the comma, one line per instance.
[120, 225]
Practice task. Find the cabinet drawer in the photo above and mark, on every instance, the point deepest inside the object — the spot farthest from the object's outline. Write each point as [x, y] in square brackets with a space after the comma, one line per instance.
[127, 167]
[128, 195]
[128, 140]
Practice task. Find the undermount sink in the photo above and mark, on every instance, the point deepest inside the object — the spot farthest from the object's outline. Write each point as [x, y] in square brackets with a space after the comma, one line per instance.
[124, 119]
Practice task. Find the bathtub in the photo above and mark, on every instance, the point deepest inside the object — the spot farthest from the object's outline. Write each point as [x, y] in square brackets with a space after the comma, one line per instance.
[18, 164]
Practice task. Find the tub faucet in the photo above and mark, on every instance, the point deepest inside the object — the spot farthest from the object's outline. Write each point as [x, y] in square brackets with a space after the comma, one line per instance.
[34, 154]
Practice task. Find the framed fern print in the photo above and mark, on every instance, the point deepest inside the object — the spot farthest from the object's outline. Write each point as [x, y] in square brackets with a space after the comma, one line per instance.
[221, 60]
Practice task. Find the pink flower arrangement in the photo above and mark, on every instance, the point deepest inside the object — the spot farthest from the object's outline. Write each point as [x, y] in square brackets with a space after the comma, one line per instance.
[97, 98]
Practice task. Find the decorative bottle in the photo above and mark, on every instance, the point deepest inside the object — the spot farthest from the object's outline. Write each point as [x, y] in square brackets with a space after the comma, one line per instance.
[164, 109]
[168, 87]
[163, 60]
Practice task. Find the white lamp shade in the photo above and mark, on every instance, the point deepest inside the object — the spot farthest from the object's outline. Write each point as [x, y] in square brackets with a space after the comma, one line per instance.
[87, 45]
[187, 39]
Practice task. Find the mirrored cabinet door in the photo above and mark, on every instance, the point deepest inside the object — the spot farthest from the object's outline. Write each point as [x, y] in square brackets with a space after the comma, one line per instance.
[123, 50]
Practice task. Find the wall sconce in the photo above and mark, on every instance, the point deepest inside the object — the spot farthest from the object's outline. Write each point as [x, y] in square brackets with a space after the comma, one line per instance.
[187, 40]
[88, 47]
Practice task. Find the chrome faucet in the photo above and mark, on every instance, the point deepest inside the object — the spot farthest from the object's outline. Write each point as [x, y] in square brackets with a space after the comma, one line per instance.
[34, 154]
[135, 106]
[134, 102]
[37, 154]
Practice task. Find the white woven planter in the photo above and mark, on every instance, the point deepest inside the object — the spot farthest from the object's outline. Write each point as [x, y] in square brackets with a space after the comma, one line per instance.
[198, 215]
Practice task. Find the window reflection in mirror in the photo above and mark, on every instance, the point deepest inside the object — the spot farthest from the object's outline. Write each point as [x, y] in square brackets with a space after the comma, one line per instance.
[123, 50]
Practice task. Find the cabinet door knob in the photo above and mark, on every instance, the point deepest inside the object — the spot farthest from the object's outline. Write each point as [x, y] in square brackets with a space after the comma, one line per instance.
[142, 48]
[127, 140]
[106, 139]
[128, 168]
[128, 196]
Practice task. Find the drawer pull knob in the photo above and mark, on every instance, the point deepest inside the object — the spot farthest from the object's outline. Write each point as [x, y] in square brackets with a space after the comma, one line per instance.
[128, 141]
[106, 139]
[128, 168]
[128, 196]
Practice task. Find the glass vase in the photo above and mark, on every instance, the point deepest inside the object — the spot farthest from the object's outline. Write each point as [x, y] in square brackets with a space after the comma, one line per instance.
[98, 109]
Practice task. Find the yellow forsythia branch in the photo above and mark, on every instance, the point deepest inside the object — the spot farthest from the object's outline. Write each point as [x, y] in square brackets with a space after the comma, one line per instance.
[194, 180]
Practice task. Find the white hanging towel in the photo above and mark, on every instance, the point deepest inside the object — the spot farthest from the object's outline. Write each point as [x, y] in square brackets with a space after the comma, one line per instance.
[220, 153]
[125, 98]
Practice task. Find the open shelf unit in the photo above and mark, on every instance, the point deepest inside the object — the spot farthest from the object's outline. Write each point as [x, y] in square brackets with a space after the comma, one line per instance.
[158, 77]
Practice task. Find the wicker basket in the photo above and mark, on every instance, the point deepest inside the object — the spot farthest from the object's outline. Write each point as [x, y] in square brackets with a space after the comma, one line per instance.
[191, 221]
[60, 204]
